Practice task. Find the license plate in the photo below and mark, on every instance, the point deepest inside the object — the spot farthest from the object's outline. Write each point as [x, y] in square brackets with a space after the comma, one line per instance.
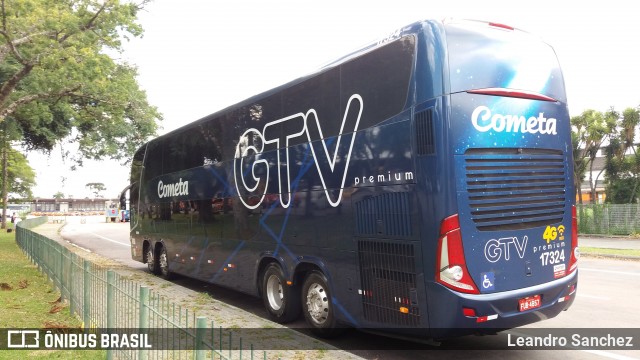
[529, 303]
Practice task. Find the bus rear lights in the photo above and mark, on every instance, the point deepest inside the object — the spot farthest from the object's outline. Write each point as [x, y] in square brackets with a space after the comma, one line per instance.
[451, 267]
[575, 250]
[482, 319]
[401, 300]
[367, 293]
[229, 266]
[572, 290]
[453, 273]
[471, 313]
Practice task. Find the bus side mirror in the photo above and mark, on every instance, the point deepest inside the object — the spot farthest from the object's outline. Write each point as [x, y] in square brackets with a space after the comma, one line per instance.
[123, 202]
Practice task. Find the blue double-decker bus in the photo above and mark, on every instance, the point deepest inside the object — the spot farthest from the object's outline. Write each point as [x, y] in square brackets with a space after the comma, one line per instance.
[422, 185]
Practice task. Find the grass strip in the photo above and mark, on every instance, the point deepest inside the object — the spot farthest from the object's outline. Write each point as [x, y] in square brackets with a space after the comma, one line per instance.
[29, 301]
[603, 251]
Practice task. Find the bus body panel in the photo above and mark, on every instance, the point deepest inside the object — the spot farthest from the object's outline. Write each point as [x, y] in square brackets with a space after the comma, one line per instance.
[514, 201]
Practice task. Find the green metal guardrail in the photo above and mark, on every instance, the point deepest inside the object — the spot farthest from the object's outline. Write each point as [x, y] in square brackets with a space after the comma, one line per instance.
[106, 300]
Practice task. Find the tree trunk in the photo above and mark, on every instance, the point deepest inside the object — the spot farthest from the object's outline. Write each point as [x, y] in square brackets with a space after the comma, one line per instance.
[5, 173]
[579, 191]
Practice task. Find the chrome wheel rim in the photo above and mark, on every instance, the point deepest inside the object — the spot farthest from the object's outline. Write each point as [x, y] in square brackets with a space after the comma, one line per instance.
[164, 265]
[274, 292]
[317, 304]
[150, 259]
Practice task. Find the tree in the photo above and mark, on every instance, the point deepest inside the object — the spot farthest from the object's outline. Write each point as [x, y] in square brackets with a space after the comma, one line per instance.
[97, 188]
[59, 195]
[21, 176]
[58, 82]
[622, 160]
[591, 129]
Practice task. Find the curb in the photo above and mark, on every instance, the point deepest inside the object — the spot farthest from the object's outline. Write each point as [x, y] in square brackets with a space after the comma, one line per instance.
[611, 256]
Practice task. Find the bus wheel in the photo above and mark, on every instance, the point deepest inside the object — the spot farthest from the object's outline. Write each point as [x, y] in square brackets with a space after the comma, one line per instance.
[281, 301]
[317, 306]
[163, 265]
[152, 264]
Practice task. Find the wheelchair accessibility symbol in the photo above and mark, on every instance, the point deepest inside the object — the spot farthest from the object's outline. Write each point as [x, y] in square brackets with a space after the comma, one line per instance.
[488, 281]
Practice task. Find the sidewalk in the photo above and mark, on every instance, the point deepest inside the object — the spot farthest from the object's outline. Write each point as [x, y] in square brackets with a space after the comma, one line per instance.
[613, 242]
[50, 230]
[609, 242]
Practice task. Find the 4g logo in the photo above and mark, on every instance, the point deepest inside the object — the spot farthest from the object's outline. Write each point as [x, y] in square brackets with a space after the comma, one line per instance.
[552, 233]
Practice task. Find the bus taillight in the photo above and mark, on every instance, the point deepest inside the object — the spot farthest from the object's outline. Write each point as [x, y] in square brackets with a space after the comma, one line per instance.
[451, 267]
[575, 251]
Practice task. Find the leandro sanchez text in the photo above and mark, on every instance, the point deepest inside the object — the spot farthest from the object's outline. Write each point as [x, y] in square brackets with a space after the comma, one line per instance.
[575, 340]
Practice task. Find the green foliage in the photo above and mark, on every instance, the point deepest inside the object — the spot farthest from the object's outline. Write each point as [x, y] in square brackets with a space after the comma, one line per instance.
[97, 188]
[623, 161]
[21, 176]
[590, 130]
[59, 82]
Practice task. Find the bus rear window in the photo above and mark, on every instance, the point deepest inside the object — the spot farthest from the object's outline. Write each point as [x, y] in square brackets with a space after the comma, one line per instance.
[500, 58]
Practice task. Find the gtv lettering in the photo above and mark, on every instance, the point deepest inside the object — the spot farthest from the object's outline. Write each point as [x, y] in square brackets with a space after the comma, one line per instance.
[498, 249]
[484, 120]
[252, 173]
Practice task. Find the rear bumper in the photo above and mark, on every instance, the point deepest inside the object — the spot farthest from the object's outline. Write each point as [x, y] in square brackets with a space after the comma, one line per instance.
[495, 312]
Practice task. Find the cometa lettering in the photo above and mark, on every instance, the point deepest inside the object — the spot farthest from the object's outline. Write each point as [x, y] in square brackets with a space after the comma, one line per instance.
[179, 188]
[484, 120]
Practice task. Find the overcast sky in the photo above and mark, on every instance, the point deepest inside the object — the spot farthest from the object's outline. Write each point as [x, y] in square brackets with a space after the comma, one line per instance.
[197, 57]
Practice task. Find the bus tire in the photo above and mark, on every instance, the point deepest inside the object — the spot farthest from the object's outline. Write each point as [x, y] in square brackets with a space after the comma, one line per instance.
[317, 306]
[152, 263]
[163, 265]
[281, 301]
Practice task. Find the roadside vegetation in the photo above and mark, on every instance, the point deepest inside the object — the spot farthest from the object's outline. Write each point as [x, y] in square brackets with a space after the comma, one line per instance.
[614, 252]
[30, 302]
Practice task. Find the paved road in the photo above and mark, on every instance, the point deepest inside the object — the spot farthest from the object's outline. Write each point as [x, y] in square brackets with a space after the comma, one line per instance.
[607, 299]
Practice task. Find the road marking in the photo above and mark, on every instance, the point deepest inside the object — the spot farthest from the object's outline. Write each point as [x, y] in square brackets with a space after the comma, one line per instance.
[608, 354]
[79, 247]
[610, 271]
[106, 238]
